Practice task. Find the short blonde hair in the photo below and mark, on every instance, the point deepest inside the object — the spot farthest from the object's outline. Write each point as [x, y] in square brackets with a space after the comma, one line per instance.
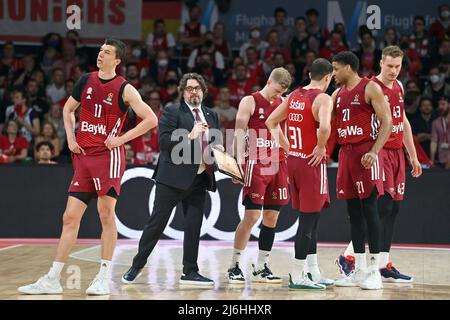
[392, 51]
[281, 76]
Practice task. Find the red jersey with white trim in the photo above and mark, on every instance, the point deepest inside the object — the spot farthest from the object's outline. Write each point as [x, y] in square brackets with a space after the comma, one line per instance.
[355, 119]
[394, 97]
[101, 115]
[301, 124]
[260, 145]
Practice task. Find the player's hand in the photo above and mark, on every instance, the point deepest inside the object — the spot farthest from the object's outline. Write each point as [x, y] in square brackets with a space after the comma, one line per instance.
[236, 181]
[368, 159]
[416, 168]
[220, 147]
[75, 148]
[197, 129]
[317, 155]
[113, 142]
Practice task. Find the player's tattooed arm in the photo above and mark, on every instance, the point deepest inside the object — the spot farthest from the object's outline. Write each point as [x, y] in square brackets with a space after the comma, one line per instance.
[69, 124]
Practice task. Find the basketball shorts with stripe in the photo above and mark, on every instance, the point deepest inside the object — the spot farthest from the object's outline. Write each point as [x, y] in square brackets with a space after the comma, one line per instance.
[308, 185]
[353, 180]
[98, 173]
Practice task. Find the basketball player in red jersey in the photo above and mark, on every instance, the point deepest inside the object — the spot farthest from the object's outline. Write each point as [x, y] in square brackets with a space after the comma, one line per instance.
[394, 165]
[265, 178]
[364, 124]
[98, 160]
[308, 114]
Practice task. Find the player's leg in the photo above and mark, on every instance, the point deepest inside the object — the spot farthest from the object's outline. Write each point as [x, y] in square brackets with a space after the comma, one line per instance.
[312, 265]
[106, 206]
[298, 279]
[354, 209]
[261, 271]
[50, 283]
[241, 237]
[371, 215]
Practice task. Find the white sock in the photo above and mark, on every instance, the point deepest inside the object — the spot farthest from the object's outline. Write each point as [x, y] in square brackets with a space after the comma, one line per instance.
[349, 250]
[374, 261]
[384, 259]
[55, 270]
[263, 257]
[236, 256]
[360, 261]
[313, 266]
[297, 270]
[105, 267]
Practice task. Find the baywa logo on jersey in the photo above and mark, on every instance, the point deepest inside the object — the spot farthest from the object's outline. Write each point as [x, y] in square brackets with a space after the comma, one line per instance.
[355, 99]
[109, 100]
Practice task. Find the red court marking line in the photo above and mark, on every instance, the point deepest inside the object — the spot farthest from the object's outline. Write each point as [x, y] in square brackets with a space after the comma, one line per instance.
[207, 243]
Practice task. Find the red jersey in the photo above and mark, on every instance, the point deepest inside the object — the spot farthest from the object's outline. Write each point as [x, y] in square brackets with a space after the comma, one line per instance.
[301, 125]
[356, 120]
[394, 97]
[260, 145]
[102, 114]
[14, 148]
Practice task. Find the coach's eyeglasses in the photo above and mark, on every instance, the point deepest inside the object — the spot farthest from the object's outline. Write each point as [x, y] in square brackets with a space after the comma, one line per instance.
[192, 89]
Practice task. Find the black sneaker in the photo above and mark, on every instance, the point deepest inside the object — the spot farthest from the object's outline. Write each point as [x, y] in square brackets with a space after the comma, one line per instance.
[235, 274]
[131, 275]
[264, 275]
[196, 279]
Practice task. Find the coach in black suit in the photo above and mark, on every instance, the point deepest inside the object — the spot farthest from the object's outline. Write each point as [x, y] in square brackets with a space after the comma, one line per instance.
[184, 174]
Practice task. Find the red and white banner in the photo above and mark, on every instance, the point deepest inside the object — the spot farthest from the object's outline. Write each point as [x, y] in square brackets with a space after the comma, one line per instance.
[29, 20]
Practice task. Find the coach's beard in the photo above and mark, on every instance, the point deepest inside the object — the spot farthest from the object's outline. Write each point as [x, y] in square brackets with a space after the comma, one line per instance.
[195, 101]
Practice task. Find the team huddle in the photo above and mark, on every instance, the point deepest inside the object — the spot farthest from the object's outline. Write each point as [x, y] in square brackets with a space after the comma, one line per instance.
[281, 145]
[371, 129]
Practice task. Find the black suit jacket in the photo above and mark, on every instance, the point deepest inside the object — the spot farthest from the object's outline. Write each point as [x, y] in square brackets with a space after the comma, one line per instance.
[180, 157]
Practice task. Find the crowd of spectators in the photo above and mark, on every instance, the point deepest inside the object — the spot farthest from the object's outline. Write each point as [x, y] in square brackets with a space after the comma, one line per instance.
[35, 85]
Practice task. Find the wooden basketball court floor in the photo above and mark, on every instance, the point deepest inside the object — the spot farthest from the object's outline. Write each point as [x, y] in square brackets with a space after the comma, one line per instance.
[23, 261]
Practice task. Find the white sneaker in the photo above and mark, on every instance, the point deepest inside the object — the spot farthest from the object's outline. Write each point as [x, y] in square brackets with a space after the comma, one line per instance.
[320, 279]
[264, 275]
[98, 287]
[45, 285]
[372, 281]
[352, 280]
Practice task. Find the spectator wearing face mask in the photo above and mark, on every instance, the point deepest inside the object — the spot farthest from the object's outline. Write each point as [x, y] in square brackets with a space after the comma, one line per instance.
[160, 67]
[436, 88]
[197, 55]
[254, 40]
[209, 70]
[440, 135]
[441, 26]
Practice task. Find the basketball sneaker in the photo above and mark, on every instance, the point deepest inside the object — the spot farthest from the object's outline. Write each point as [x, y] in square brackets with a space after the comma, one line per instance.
[304, 284]
[319, 279]
[264, 275]
[390, 274]
[45, 285]
[98, 287]
[235, 275]
[372, 281]
[354, 278]
[346, 264]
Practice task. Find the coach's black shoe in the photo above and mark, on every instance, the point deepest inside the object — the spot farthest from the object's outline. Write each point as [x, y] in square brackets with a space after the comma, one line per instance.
[131, 275]
[196, 279]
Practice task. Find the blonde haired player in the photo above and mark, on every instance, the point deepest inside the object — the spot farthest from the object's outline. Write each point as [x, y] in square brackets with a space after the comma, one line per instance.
[265, 179]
